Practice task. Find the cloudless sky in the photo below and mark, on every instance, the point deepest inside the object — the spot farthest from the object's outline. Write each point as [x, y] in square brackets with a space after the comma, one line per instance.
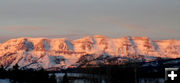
[157, 19]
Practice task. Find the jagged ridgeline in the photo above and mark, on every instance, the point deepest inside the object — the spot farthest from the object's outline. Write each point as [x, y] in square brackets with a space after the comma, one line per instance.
[95, 50]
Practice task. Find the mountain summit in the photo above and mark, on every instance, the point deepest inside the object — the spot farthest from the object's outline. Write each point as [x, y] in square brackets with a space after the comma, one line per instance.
[62, 53]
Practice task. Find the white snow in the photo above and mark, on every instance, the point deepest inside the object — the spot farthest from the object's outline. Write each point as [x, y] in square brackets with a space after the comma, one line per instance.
[44, 52]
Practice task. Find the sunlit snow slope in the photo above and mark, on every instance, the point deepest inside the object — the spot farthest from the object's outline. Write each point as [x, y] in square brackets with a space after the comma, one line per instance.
[62, 53]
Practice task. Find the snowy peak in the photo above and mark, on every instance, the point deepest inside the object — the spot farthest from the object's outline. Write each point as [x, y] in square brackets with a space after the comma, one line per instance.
[96, 44]
[99, 36]
[46, 53]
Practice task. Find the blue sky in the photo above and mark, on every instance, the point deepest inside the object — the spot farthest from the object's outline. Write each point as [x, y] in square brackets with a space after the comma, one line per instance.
[157, 19]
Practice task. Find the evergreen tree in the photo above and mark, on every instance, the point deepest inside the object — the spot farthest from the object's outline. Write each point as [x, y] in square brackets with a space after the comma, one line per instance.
[53, 78]
[2, 68]
[16, 67]
[65, 78]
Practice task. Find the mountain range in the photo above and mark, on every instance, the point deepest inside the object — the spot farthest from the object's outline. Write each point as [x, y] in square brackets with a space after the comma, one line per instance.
[94, 50]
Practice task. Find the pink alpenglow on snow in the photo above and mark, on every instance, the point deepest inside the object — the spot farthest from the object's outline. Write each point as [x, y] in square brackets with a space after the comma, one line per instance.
[63, 53]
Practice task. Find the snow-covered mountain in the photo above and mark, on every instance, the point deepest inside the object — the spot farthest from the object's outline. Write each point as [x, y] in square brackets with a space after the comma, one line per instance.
[63, 53]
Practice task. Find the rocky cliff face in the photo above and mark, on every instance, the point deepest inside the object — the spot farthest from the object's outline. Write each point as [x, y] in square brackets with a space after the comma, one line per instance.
[63, 53]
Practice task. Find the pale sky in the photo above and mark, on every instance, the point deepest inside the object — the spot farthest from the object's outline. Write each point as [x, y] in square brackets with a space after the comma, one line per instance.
[157, 19]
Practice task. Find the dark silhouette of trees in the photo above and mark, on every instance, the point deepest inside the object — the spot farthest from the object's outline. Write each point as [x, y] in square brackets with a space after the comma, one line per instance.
[53, 78]
[2, 68]
[16, 75]
[16, 67]
[65, 78]
[2, 72]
